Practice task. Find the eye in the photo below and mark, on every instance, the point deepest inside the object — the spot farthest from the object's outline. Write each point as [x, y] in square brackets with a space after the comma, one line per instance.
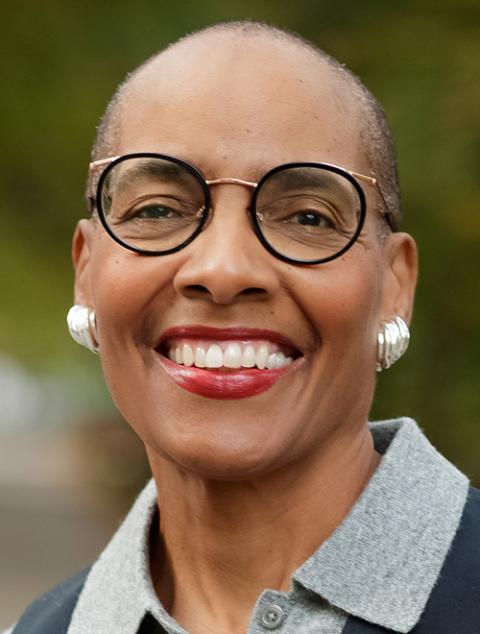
[313, 219]
[154, 212]
[310, 219]
[301, 212]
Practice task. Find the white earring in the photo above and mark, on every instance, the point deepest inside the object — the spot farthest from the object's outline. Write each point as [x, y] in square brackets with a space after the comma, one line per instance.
[82, 326]
[392, 342]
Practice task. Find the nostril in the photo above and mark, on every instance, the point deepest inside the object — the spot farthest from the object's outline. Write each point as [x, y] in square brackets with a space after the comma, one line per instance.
[200, 289]
[197, 288]
[221, 294]
[253, 291]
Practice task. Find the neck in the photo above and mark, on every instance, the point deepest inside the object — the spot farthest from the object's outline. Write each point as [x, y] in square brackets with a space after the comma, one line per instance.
[220, 544]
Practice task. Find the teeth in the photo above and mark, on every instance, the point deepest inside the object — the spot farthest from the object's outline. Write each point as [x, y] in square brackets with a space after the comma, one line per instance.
[272, 361]
[249, 357]
[262, 357]
[280, 361]
[232, 355]
[276, 360]
[178, 356]
[214, 357]
[187, 355]
[199, 357]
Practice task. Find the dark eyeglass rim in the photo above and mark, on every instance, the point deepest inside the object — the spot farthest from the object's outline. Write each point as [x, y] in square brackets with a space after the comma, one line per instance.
[192, 169]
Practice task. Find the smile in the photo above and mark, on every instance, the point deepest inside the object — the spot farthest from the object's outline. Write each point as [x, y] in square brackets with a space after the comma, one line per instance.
[226, 363]
[232, 354]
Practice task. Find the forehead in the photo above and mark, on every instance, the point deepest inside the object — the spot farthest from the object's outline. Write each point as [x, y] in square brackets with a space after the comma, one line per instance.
[241, 103]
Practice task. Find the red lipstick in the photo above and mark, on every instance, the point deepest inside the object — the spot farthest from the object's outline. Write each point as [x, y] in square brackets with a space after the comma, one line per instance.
[224, 383]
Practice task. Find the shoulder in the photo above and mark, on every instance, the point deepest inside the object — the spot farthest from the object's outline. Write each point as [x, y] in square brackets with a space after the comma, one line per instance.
[52, 611]
[467, 540]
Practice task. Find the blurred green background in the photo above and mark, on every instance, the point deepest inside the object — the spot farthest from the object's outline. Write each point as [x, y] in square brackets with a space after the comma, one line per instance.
[60, 62]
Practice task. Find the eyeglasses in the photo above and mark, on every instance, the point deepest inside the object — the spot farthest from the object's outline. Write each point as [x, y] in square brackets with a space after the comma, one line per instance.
[302, 213]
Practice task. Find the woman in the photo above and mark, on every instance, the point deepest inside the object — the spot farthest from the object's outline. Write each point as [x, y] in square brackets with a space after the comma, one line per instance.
[242, 277]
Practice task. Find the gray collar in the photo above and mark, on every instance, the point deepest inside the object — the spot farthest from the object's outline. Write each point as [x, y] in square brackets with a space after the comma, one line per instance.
[119, 590]
[380, 564]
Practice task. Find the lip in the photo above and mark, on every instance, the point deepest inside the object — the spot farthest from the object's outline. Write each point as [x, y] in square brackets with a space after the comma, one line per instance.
[218, 384]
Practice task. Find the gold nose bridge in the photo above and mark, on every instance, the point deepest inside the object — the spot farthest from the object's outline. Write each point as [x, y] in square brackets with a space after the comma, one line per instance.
[227, 181]
[231, 181]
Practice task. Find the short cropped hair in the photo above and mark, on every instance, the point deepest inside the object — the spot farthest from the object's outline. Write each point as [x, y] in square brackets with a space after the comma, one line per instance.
[375, 132]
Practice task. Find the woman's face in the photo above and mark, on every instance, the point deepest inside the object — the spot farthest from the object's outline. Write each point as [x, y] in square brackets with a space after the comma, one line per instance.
[239, 120]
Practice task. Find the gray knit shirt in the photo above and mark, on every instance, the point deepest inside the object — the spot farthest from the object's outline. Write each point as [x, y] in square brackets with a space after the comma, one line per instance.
[380, 564]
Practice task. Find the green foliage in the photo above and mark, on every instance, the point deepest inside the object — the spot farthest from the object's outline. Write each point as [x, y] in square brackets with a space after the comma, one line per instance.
[60, 63]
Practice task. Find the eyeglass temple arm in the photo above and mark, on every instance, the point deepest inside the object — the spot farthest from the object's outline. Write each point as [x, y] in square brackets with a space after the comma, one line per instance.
[93, 166]
[371, 180]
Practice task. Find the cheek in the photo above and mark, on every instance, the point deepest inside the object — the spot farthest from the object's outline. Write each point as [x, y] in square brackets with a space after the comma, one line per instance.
[342, 302]
[124, 286]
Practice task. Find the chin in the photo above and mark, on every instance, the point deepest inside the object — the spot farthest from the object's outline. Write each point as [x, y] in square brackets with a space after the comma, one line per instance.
[231, 459]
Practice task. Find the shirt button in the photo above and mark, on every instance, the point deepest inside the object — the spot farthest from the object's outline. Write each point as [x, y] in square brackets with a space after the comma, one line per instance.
[272, 617]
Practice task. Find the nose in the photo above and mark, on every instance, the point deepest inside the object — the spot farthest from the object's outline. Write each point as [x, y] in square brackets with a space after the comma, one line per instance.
[226, 263]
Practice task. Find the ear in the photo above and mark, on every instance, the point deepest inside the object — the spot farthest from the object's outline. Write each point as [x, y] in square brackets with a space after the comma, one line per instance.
[81, 255]
[400, 277]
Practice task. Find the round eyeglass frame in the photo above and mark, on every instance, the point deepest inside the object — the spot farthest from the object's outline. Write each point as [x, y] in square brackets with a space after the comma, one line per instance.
[110, 163]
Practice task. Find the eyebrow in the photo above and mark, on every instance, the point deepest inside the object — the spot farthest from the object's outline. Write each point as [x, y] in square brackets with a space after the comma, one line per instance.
[159, 170]
[305, 177]
[153, 167]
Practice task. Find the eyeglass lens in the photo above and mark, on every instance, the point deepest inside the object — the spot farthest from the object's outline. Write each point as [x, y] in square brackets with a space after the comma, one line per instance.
[307, 213]
[151, 204]
[304, 213]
